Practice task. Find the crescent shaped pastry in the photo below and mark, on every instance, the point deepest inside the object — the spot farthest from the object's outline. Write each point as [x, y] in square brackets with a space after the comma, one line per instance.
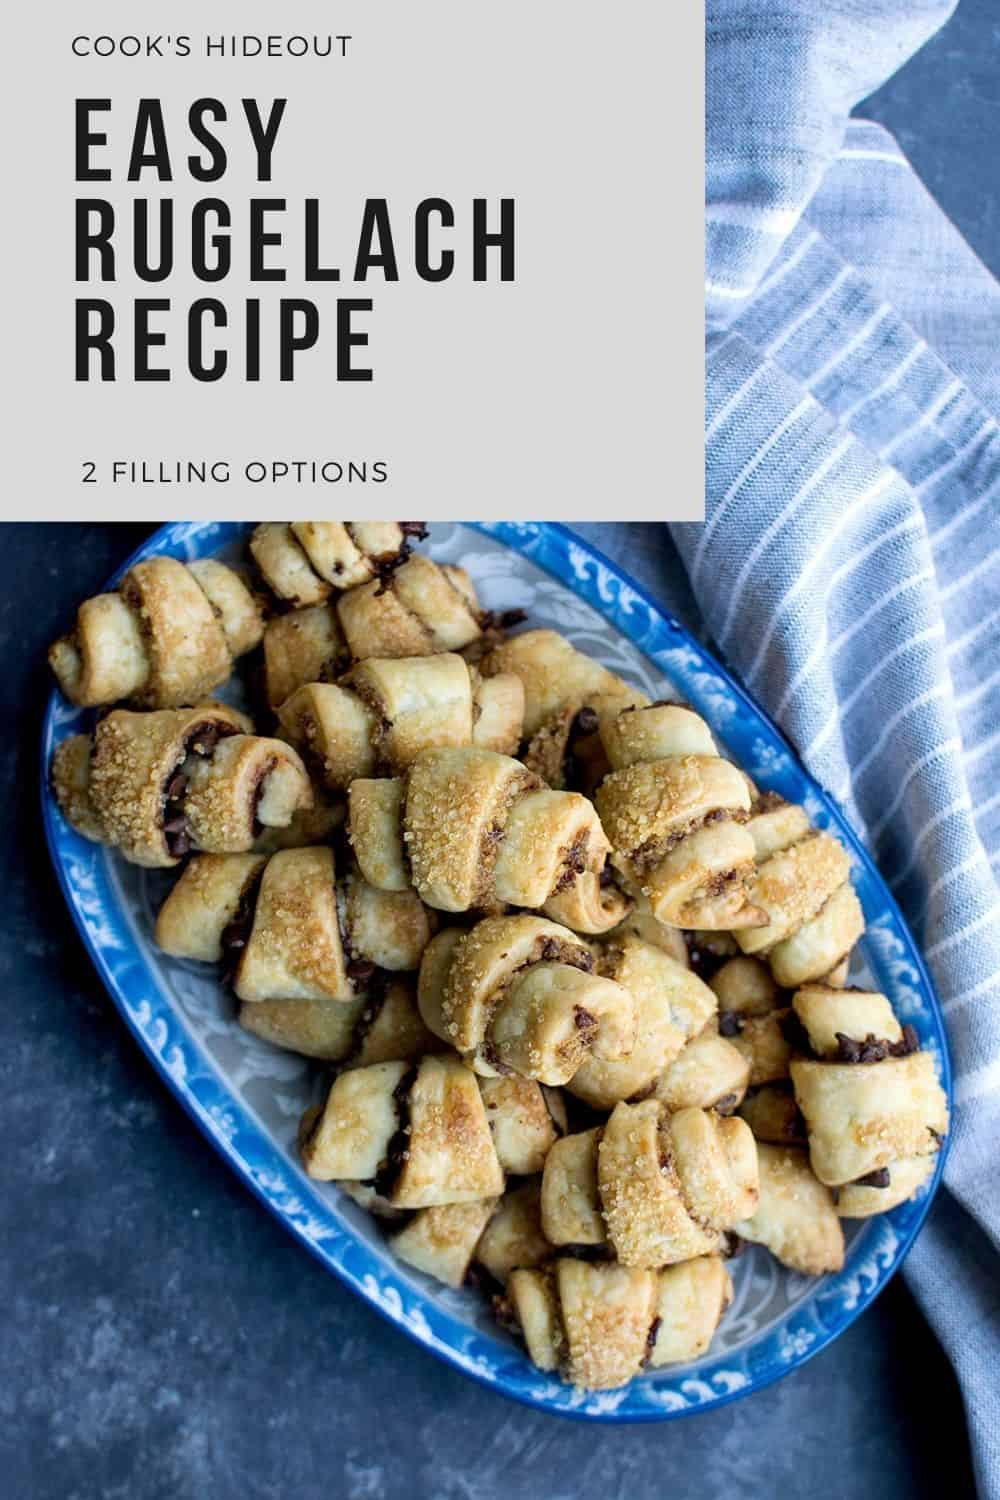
[166, 637]
[304, 562]
[376, 720]
[520, 995]
[419, 1133]
[420, 608]
[556, 676]
[381, 1025]
[473, 829]
[290, 929]
[442, 1241]
[656, 1188]
[674, 812]
[672, 1006]
[162, 783]
[869, 1097]
[802, 885]
[796, 1217]
[513, 1239]
[599, 1325]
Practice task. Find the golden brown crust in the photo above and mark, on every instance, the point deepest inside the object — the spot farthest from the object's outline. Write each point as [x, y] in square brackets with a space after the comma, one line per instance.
[449, 1157]
[441, 1241]
[235, 607]
[761, 1040]
[188, 652]
[474, 829]
[381, 1026]
[377, 719]
[324, 1029]
[294, 950]
[672, 1005]
[859, 1200]
[375, 828]
[304, 646]
[166, 638]
[418, 1133]
[659, 1188]
[792, 886]
[390, 1027]
[862, 1117]
[708, 1073]
[205, 900]
[419, 609]
[104, 658]
[828, 1013]
[607, 1312]
[773, 1115]
[522, 1125]
[519, 994]
[346, 554]
[284, 565]
[348, 1139]
[668, 1185]
[746, 987]
[247, 783]
[672, 809]
[497, 712]
[304, 562]
[310, 825]
[71, 765]
[456, 808]
[532, 1304]
[802, 884]
[795, 1216]
[591, 1323]
[134, 756]
[513, 1239]
[556, 675]
[691, 1299]
[570, 1200]
[389, 928]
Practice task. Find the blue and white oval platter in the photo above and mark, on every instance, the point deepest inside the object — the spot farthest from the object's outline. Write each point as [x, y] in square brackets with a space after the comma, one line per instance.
[247, 1096]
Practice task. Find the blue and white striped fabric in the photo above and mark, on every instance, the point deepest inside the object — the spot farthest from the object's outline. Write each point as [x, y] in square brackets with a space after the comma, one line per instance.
[849, 563]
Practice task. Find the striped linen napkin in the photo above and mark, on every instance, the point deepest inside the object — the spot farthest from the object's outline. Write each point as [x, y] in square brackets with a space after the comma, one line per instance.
[849, 563]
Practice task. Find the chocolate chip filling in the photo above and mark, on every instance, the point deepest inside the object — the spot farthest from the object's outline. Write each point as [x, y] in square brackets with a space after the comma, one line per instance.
[654, 1329]
[877, 1179]
[397, 1152]
[726, 1104]
[876, 1049]
[650, 853]
[586, 722]
[574, 863]
[730, 1023]
[557, 950]
[378, 984]
[201, 740]
[236, 933]
[703, 962]
[501, 619]
[767, 802]
[584, 1022]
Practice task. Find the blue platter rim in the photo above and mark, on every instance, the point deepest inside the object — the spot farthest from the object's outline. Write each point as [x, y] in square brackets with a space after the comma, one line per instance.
[759, 746]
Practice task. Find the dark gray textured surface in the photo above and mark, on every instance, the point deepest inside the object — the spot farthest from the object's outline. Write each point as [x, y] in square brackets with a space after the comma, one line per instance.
[944, 110]
[163, 1337]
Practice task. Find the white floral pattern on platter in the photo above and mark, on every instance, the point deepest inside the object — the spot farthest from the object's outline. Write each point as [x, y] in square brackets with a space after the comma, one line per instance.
[247, 1096]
